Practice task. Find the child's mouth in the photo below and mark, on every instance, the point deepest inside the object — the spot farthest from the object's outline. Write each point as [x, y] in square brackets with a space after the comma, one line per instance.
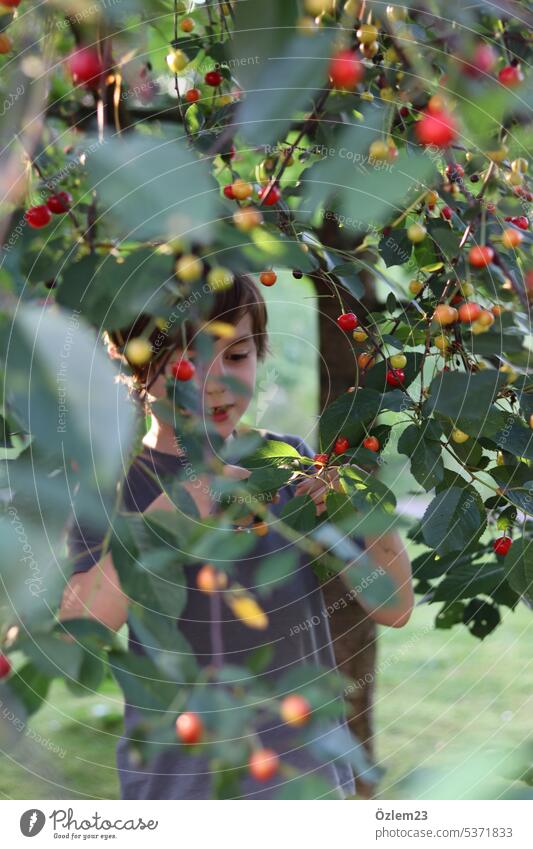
[221, 413]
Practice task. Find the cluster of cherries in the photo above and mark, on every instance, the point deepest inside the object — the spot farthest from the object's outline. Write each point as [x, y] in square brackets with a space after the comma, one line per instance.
[263, 763]
[41, 215]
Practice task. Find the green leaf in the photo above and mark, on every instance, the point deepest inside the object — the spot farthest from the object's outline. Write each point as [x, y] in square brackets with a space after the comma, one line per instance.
[112, 294]
[518, 563]
[152, 186]
[469, 580]
[481, 617]
[395, 248]
[465, 398]
[30, 686]
[51, 655]
[347, 415]
[274, 570]
[143, 684]
[53, 364]
[299, 513]
[454, 519]
[427, 466]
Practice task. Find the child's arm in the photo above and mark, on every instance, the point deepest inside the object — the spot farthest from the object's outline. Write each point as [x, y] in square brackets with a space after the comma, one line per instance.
[386, 551]
[97, 594]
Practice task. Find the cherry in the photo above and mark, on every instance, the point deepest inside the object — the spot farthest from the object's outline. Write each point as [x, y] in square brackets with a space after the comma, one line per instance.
[459, 436]
[59, 203]
[395, 377]
[297, 274]
[183, 370]
[228, 191]
[295, 710]
[521, 221]
[187, 25]
[502, 545]
[214, 78]
[189, 728]
[263, 764]
[5, 666]
[341, 445]
[446, 212]
[268, 278]
[270, 198]
[372, 443]
[437, 128]
[38, 216]
[321, 460]
[348, 321]
[6, 45]
[209, 579]
[511, 238]
[346, 70]
[85, 66]
[193, 95]
[455, 172]
[511, 75]
[11, 4]
[480, 256]
[445, 314]
[469, 312]
[398, 360]
[482, 61]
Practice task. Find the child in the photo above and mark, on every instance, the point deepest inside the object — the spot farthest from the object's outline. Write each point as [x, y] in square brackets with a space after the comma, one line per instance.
[173, 774]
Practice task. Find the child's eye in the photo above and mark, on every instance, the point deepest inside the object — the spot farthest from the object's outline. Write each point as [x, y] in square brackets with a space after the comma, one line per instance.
[237, 356]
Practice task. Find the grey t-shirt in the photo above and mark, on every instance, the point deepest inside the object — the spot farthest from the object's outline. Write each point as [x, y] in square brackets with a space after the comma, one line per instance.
[298, 631]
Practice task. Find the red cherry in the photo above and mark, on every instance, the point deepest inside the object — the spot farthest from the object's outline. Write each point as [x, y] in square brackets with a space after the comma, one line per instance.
[321, 460]
[192, 96]
[437, 128]
[482, 61]
[214, 78]
[395, 377]
[372, 443]
[469, 312]
[85, 66]
[446, 212]
[341, 445]
[263, 764]
[346, 70]
[189, 728]
[11, 4]
[183, 370]
[273, 196]
[521, 221]
[404, 112]
[228, 191]
[502, 545]
[5, 666]
[511, 75]
[38, 216]
[348, 321]
[59, 203]
[457, 299]
[480, 256]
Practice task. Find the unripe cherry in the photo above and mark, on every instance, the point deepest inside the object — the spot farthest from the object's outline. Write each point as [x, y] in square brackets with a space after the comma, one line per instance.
[445, 314]
[242, 189]
[295, 710]
[398, 360]
[511, 238]
[459, 436]
[209, 579]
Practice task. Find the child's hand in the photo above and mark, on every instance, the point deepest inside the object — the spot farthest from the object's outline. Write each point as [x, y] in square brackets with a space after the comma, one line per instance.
[318, 487]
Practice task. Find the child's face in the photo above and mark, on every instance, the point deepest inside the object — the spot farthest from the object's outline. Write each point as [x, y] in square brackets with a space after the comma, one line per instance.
[234, 358]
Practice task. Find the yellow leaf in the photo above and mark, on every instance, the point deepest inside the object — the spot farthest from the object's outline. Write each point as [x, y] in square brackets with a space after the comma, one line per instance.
[220, 328]
[245, 608]
[435, 266]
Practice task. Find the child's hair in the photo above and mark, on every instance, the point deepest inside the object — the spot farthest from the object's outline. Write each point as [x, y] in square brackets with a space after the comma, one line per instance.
[227, 304]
